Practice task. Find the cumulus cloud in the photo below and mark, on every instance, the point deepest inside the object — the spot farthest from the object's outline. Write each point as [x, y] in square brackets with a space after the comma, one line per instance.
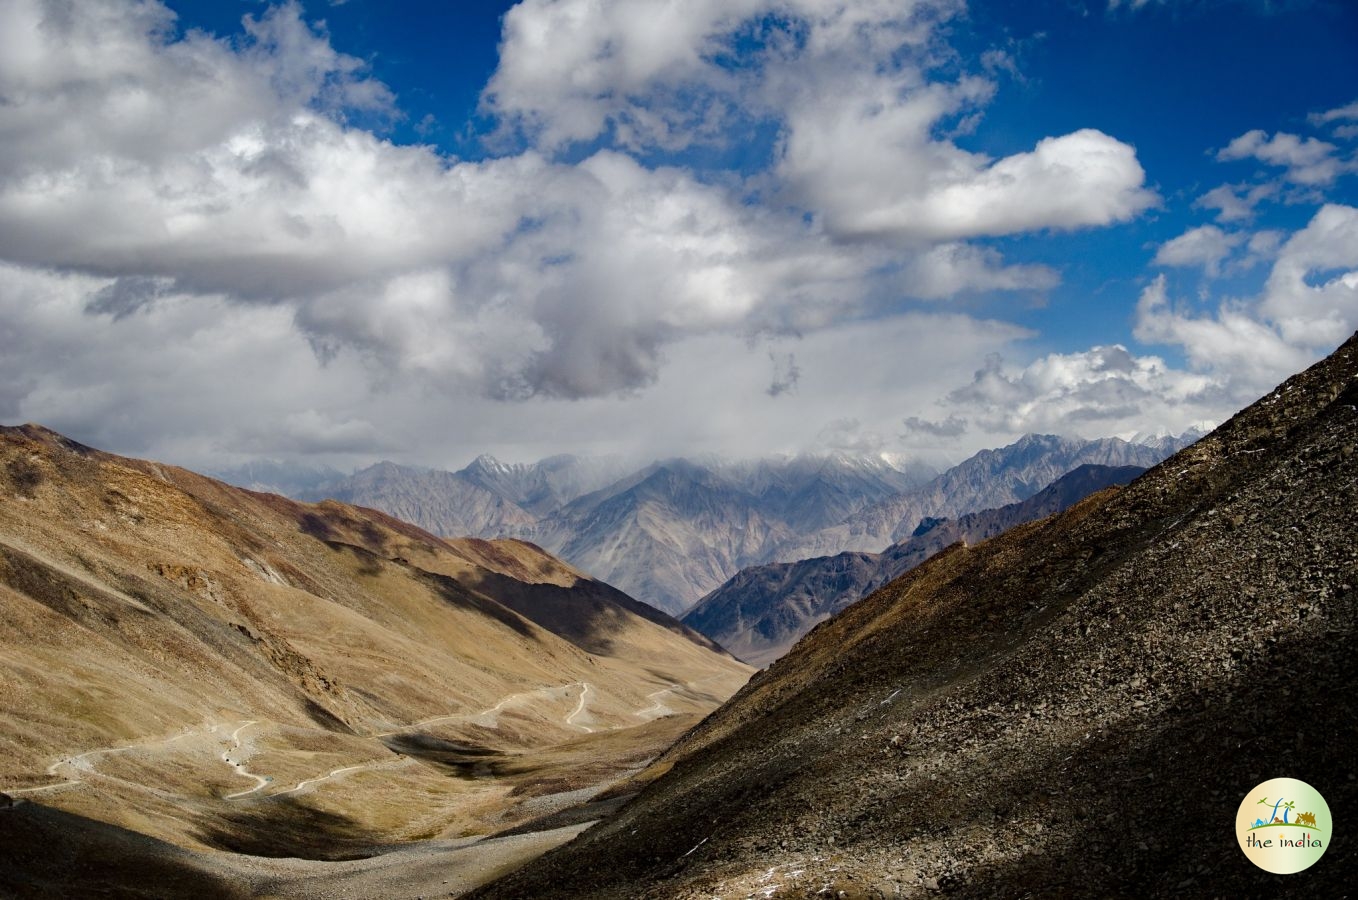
[208, 382]
[187, 166]
[1308, 306]
[1237, 202]
[1312, 293]
[1100, 391]
[1233, 341]
[1206, 246]
[848, 84]
[873, 188]
[571, 69]
[948, 270]
[1243, 347]
[189, 222]
[1308, 161]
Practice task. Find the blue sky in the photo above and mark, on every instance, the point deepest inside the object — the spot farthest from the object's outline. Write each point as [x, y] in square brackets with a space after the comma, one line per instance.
[426, 230]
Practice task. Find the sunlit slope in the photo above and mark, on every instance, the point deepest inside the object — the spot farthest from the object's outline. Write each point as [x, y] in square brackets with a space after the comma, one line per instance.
[177, 652]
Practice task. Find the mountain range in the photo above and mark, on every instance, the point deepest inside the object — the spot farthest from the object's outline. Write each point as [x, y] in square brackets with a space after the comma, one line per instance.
[1083, 706]
[762, 611]
[672, 531]
[197, 667]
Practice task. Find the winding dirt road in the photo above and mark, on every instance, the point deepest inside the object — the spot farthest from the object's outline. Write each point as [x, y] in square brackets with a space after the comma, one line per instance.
[580, 707]
[77, 770]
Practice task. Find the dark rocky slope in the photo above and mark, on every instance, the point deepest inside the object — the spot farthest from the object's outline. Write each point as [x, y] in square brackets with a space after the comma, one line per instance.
[1073, 709]
[760, 612]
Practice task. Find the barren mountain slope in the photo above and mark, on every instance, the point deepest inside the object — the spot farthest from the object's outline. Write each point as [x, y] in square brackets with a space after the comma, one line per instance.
[224, 669]
[1074, 708]
[443, 503]
[762, 611]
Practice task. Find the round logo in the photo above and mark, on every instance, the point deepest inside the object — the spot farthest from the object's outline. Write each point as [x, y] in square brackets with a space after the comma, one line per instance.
[1283, 826]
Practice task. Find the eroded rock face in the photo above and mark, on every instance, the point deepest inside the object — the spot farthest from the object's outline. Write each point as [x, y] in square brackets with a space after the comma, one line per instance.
[1075, 708]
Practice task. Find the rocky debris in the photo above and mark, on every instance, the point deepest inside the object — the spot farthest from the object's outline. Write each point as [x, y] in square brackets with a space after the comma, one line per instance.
[1077, 707]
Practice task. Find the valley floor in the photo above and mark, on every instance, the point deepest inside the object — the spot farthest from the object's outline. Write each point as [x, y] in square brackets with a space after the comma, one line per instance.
[291, 834]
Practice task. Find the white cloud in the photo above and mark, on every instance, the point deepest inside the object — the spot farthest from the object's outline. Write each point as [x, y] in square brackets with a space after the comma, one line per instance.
[849, 84]
[874, 172]
[570, 69]
[1309, 161]
[1206, 246]
[1233, 342]
[188, 377]
[948, 270]
[195, 167]
[1309, 306]
[1237, 202]
[1244, 347]
[208, 382]
[1347, 113]
[1312, 293]
[1097, 392]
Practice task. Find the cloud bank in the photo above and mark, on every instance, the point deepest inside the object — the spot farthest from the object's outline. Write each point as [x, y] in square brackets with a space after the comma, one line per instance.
[211, 248]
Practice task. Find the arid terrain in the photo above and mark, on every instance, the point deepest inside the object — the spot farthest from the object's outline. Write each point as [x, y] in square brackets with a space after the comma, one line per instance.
[194, 676]
[1073, 709]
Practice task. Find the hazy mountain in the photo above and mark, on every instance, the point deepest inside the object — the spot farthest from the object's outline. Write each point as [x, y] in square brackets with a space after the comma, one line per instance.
[674, 530]
[761, 612]
[545, 486]
[669, 532]
[677, 530]
[811, 491]
[289, 478]
[989, 479]
[216, 668]
[445, 503]
[1075, 708]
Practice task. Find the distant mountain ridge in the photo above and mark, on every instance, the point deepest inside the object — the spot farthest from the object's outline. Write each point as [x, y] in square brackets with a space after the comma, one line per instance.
[762, 611]
[989, 479]
[672, 531]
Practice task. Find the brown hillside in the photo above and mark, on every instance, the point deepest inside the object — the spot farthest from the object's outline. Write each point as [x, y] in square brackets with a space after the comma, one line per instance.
[228, 670]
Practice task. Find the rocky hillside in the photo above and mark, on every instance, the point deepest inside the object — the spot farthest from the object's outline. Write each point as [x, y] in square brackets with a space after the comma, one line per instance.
[763, 610]
[226, 670]
[1073, 709]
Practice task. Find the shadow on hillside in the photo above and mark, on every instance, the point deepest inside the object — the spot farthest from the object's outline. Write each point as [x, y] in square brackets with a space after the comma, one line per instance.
[454, 593]
[465, 761]
[1164, 822]
[1148, 808]
[47, 853]
[287, 827]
